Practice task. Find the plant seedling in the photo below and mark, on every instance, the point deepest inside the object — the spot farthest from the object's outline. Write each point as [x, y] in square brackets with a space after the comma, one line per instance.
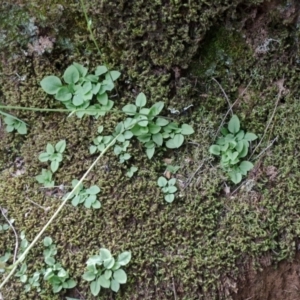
[3, 260]
[131, 171]
[168, 188]
[83, 91]
[53, 154]
[5, 226]
[45, 178]
[150, 129]
[13, 123]
[33, 282]
[86, 196]
[55, 274]
[105, 271]
[232, 146]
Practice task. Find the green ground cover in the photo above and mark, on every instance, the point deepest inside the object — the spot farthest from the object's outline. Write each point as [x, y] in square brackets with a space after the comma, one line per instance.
[196, 246]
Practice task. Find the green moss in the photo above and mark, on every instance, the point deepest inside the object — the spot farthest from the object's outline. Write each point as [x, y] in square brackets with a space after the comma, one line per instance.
[221, 50]
[205, 235]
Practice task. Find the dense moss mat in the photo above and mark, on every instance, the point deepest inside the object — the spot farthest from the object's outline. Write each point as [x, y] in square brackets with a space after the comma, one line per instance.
[197, 246]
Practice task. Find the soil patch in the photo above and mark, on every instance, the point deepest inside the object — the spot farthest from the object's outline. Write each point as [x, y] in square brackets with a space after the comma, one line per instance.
[272, 283]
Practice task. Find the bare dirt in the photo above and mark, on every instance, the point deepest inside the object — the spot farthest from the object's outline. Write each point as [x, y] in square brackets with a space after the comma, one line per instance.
[273, 283]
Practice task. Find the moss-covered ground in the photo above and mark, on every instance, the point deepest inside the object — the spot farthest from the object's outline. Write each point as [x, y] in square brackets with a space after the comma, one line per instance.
[198, 246]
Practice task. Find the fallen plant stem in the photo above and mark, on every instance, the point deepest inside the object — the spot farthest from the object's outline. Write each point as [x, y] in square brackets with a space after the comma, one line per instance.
[230, 109]
[89, 27]
[174, 290]
[191, 178]
[263, 151]
[41, 207]
[23, 256]
[16, 235]
[225, 95]
[270, 120]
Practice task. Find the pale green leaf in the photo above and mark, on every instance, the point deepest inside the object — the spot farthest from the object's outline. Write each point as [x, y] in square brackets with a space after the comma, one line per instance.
[51, 84]
[214, 149]
[234, 124]
[60, 146]
[120, 276]
[169, 198]
[186, 129]
[101, 70]
[124, 258]
[250, 136]
[71, 75]
[104, 282]
[95, 287]
[115, 285]
[141, 100]
[162, 181]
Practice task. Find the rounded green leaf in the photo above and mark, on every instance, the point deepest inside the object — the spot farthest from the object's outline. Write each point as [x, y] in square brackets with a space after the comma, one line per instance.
[239, 146]
[114, 75]
[157, 139]
[150, 152]
[186, 129]
[89, 201]
[246, 166]
[172, 181]
[244, 151]
[107, 274]
[81, 69]
[142, 121]
[170, 198]
[75, 201]
[71, 283]
[44, 157]
[47, 241]
[77, 100]
[104, 282]
[115, 285]
[93, 190]
[250, 136]
[162, 181]
[236, 177]
[71, 75]
[124, 258]
[172, 189]
[95, 287]
[51, 84]
[234, 124]
[60, 146]
[161, 122]
[214, 149]
[128, 135]
[54, 165]
[141, 100]
[129, 109]
[102, 99]
[109, 263]
[49, 260]
[22, 129]
[49, 149]
[120, 276]
[240, 135]
[101, 70]
[96, 204]
[156, 109]
[62, 273]
[104, 254]
[175, 142]
[63, 94]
